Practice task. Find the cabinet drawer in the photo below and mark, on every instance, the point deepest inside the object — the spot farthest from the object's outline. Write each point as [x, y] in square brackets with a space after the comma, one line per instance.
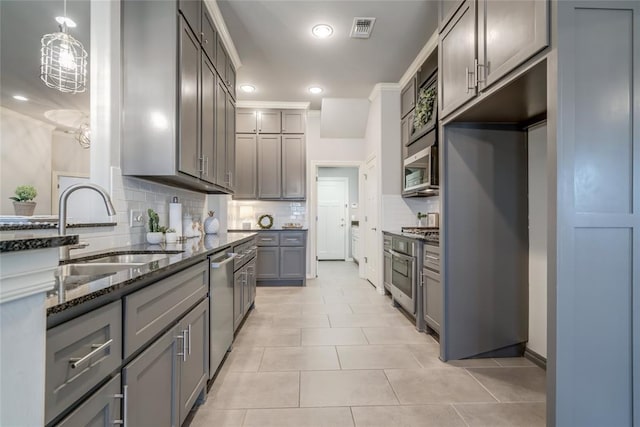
[269, 238]
[387, 242]
[150, 310]
[102, 408]
[292, 238]
[80, 354]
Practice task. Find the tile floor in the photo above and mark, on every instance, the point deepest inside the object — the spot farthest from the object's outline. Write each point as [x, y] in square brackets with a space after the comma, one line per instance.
[336, 353]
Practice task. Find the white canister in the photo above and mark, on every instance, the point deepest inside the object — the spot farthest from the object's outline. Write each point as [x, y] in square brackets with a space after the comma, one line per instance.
[211, 224]
[187, 224]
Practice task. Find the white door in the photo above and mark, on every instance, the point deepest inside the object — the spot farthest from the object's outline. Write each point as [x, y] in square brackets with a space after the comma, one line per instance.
[370, 231]
[333, 199]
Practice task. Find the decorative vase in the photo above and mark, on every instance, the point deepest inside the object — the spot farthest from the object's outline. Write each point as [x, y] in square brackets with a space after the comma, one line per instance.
[211, 224]
[24, 208]
[171, 237]
[154, 238]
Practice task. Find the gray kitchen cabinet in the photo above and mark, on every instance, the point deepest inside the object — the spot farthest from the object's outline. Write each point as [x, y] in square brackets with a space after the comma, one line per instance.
[268, 238]
[246, 290]
[149, 382]
[251, 272]
[404, 132]
[194, 364]
[408, 97]
[292, 238]
[230, 143]
[410, 128]
[269, 121]
[509, 33]
[208, 119]
[432, 295]
[457, 50]
[268, 263]
[79, 354]
[292, 262]
[222, 174]
[269, 166]
[246, 183]
[387, 269]
[293, 121]
[246, 121]
[221, 60]
[189, 143]
[208, 36]
[446, 9]
[102, 408]
[231, 78]
[293, 167]
[192, 11]
[238, 298]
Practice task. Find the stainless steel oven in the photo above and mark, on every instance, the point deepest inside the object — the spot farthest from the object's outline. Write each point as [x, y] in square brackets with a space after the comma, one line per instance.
[403, 272]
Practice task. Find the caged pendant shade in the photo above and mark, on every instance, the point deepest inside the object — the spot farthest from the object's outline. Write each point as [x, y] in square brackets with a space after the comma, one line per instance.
[63, 61]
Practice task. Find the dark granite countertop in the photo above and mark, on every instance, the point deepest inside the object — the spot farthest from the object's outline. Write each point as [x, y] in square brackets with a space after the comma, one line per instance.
[25, 242]
[408, 236]
[75, 295]
[256, 230]
[5, 226]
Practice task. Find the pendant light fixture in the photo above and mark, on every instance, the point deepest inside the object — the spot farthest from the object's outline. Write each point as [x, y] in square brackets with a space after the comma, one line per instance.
[63, 60]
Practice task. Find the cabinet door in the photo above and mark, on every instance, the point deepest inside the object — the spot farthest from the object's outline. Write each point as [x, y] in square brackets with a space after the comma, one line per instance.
[251, 270]
[150, 382]
[222, 176]
[293, 167]
[231, 143]
[408, 97]
[269, 166]
[268, 263]
[509, 33]
[457, 50]
[208, 36]
[293, 121]
[446, 9]
[101, 409]
[191, 10]
[269, 122]
[189, 155]
[194, 366]
[246, 121]
[410, 128]
[221, 59]
[292, 262]
[238, 298]
[231, 78]
[208, 120]
[432, 294]
[404, 132]
[246, 290]
[246, 162]
[387, 269]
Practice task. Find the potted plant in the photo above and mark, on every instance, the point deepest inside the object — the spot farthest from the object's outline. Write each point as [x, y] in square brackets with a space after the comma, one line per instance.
[171, 236]
[22, 202]
[421, 216]
[154, 236]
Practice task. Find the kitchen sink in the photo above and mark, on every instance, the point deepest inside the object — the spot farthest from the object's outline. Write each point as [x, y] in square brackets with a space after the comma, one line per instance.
[127, 259]
[95, 268]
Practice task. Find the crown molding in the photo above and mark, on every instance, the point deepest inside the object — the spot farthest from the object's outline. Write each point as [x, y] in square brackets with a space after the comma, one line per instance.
[382, 87]
[424, 53]
[223, 32]
[283, 105]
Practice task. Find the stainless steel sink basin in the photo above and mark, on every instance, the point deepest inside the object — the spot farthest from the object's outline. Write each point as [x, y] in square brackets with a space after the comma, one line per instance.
[95, 268]
[127, 259]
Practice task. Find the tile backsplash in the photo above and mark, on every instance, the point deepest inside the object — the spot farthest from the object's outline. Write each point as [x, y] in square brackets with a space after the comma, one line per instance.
[240, 211]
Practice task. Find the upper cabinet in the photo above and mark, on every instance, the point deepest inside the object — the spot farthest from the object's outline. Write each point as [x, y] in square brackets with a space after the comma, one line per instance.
[269, 121]
[446, 9]
[179, 119]
[483, 41]
[246, 121]
[293, 121]
[408, 98]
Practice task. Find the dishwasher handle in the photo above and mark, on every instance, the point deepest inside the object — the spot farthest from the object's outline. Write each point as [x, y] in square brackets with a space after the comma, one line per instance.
[227, 260]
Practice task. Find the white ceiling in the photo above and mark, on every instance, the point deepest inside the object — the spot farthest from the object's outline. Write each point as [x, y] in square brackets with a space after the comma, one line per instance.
[282, 59]
[22, 24]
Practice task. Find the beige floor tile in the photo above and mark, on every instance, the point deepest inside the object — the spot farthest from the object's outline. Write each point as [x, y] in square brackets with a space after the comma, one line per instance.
[345, 299]
[299, 359]
[268, 337]
[300, 321]
[427, 354]
[333, 336]
[513, 384]
[271, 308]
[503, 414]
[244, 359]
[423, 386]
[473, 363]
[407, 416]
[325, 308]
[258, 390]
[367, 320]
[376, 357]
[345, 388]
[299, 417]
[395, 335]
[514, 361]
[373, 308]
[209, 417]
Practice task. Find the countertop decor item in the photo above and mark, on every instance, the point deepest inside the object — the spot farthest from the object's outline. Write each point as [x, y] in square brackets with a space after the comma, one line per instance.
[421, 216]
[171, 236]
[22, 201]
[265, 221]
[175, 216]
[425, 107]
[155, 234]
[292, 225]
[211, 224]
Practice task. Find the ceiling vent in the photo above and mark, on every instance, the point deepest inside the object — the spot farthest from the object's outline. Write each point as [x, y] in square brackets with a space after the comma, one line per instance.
[362, 28]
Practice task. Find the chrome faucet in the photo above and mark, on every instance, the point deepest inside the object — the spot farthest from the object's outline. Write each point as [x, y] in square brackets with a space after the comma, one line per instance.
[62, 211]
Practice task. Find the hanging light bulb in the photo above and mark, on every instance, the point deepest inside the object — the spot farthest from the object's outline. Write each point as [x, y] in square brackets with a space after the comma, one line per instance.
[63, 60]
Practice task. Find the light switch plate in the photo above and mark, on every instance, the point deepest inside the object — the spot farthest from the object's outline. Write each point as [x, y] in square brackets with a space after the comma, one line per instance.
[136, 219]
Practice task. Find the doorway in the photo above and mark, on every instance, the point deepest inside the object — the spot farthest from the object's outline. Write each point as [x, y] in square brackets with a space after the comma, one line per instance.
[333, 207]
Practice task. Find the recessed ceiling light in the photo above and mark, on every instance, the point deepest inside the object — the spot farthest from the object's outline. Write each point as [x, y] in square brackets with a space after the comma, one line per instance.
[63, 20]
[322, 31]
[315, 90]
[248, 88]
[20, 98]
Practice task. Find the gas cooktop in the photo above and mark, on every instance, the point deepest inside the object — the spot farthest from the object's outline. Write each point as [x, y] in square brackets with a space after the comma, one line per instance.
[428, 234]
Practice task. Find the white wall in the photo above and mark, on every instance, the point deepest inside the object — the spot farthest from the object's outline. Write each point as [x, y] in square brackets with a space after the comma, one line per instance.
[330, 149]
[68, 155]
[25, 150]
[538, 240]
[352, 175]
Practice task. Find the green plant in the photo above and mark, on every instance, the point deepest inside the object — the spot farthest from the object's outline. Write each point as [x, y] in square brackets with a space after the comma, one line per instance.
[162, 229]
[154, 221]
[25, 193]
[421, 215]
[425, 107]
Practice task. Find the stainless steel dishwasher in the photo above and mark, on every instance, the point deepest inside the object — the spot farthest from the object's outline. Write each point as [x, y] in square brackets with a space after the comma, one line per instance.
[220, 308]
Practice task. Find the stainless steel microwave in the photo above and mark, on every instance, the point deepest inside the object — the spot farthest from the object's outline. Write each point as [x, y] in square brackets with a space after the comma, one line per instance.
[420, 171]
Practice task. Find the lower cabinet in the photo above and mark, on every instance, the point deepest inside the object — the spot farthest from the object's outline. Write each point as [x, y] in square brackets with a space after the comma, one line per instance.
[268, 263]
[244, 291]
[292, 262]
[163, 382]
[432, 294]
[387, 269]
[282, 257]
[103, 408]
[249, 285]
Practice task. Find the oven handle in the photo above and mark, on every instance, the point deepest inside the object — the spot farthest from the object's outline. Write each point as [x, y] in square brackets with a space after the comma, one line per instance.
[402, 256]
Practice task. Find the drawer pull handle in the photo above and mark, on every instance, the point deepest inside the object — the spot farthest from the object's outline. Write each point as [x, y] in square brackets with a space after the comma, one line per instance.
[97, 348]
[184, 345]
[122, 396]
[433, 257]
[291, 239]
[189, 332]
